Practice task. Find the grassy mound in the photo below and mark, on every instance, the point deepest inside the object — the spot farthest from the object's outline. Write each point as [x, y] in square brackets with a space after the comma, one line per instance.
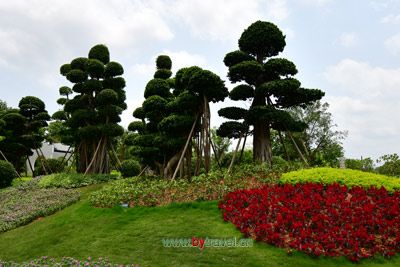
[346, 177]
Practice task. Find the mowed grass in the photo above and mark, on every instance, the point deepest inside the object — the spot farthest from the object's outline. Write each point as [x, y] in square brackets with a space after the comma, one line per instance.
[126, 235]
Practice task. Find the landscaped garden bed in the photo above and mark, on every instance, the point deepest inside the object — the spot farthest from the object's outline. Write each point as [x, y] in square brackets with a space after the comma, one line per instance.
[330, 220]
[24, 203]
[65, 262]
[152, 191]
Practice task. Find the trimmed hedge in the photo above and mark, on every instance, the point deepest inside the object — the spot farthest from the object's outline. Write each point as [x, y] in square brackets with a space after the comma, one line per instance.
[346, 177]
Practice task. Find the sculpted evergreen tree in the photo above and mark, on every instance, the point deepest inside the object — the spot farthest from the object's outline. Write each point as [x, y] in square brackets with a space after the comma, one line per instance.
[92, 108]
[23, 129]
[175, 110]
[268, 82]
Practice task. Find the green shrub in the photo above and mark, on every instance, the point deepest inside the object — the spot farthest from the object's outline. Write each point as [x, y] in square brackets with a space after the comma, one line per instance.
[7, 173]
[153, 191]
[130, 168]
[346, 177]
[73, 180]
[24, 203]
[50, 165]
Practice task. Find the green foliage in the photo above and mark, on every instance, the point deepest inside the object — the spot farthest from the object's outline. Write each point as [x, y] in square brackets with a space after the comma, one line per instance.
[137, 126]
[241, 92]
[113, 69]
[269, 85]
[74, 180]
[232, 129]
[100, 52]
[23, 129]
[162, 74]
[150, 191]
[205, 83]
[79, 63]
[236, 57]
[64, 69]
[130, 168]
[391, 165]
[77, 76]
[95, 68]
[247, 71]
[262, 39]
[366, 164]
[157, 87]
[24, 203]
[233, 113]
[7, 173]
[164, 62]
[346, 177]
[320, 142]
[138, 113]
[98, 101]
[50, 166]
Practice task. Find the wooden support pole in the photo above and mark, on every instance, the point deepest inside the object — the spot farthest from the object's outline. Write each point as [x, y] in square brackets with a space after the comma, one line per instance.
[298, 149]
[184, 149]
[1, 152]
[234, 155]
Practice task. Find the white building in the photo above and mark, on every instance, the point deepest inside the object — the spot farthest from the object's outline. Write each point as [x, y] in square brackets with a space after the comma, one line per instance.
[50, 151]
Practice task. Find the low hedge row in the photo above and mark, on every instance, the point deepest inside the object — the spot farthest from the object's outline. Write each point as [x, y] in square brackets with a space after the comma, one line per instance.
[346, 177]
[26, 202]
[74, 180]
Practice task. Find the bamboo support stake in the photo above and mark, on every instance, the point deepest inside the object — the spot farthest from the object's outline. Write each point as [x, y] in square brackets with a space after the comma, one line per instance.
[184, 149]
[298, 149]
[234, 155]
[1, 152]
[94, 156]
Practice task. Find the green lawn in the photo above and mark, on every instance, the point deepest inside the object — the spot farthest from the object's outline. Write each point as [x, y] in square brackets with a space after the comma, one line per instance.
[135, 235]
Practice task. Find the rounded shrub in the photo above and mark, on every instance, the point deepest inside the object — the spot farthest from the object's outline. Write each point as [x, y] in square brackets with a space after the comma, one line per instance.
[113, 69]
[100, 52]
[164, 62]
[130, 168]
[7, 173]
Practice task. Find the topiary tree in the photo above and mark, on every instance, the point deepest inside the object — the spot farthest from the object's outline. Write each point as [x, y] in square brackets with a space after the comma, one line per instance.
[91, 108]
[169, 120]
[269, 83]
[23, 129]
[7, 174]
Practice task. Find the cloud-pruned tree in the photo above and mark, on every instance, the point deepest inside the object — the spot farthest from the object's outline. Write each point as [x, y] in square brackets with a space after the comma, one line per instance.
[268, 82]
[175, 117]
[92, 107]
[23, 129]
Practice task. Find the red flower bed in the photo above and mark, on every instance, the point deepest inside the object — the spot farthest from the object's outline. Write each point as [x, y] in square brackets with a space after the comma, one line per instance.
[319, 220]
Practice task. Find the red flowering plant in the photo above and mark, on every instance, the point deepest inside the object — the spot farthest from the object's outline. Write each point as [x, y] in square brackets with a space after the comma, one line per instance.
[327, 220]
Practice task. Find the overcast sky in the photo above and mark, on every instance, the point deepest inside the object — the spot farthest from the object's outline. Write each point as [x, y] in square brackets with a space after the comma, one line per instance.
[349, 49]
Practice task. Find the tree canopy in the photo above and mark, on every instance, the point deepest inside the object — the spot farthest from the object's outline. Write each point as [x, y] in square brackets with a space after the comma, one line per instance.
[92, 107]
[268, 82]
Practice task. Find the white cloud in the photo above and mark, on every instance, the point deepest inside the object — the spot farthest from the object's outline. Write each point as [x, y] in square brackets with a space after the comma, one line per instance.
[348, 39]
[48, 32]
[315, 2]
[393, 44]
[364, 102]
[392, 19]
[225, 19]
